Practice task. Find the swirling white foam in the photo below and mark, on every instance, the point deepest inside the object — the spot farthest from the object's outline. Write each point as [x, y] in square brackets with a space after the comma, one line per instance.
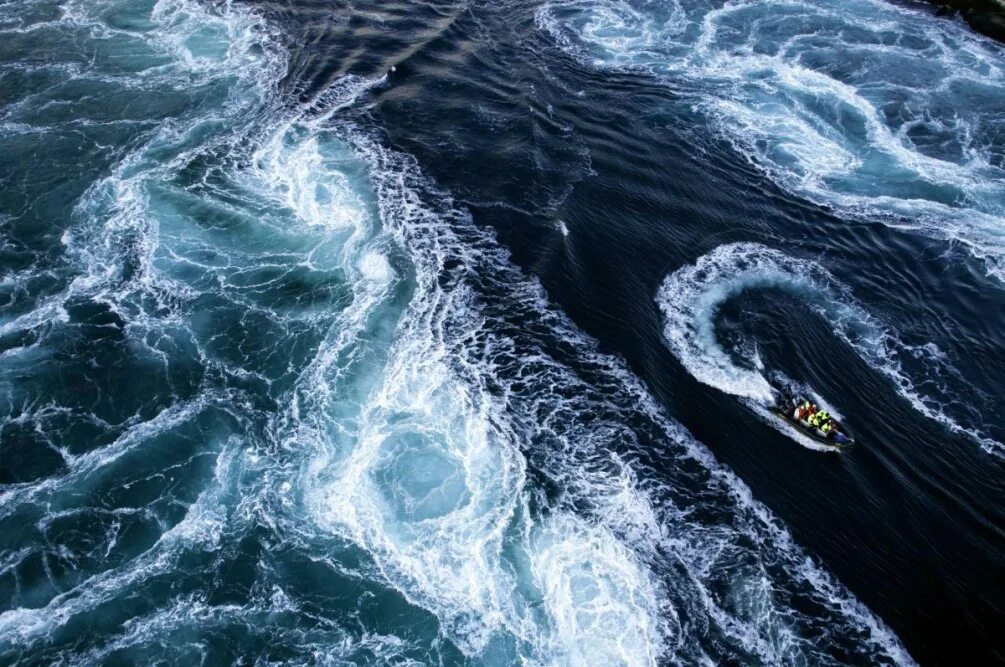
[878, 110]
[450, 438]
[691, 297]
[429, 477]
[464, 400]
[423, 473]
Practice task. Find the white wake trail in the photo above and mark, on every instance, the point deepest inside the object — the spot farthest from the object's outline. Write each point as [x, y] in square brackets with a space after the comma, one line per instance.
[691, 297]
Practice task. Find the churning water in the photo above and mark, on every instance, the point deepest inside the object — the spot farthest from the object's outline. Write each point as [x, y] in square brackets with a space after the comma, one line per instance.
[356, 334]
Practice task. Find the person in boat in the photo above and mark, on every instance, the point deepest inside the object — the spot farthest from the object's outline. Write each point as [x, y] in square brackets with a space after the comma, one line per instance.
[802, 411]
[829, 427]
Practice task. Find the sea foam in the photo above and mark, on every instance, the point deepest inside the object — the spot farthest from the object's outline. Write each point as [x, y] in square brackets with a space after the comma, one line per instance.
[691, 297]
[878, 111]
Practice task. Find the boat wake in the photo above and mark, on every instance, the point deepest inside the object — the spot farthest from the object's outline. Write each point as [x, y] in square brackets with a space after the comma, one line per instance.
[361, 435]
[478, 400]
[691, 297]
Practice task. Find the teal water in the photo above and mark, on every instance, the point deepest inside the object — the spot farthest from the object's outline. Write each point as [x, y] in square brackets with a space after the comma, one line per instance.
[270, 392]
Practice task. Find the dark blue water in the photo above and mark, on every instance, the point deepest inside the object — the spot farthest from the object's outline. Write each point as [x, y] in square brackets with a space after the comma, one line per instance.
[442, 333]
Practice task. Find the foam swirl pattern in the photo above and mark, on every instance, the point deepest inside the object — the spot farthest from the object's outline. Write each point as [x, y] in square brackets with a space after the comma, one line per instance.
[871, 109]
[296, 407]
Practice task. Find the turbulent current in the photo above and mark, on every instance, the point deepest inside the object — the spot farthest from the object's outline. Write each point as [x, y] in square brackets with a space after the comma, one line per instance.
[275, 388]
[868, 107]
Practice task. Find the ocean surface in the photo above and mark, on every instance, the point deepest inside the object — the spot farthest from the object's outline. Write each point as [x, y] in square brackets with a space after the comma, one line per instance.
[442, 332]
